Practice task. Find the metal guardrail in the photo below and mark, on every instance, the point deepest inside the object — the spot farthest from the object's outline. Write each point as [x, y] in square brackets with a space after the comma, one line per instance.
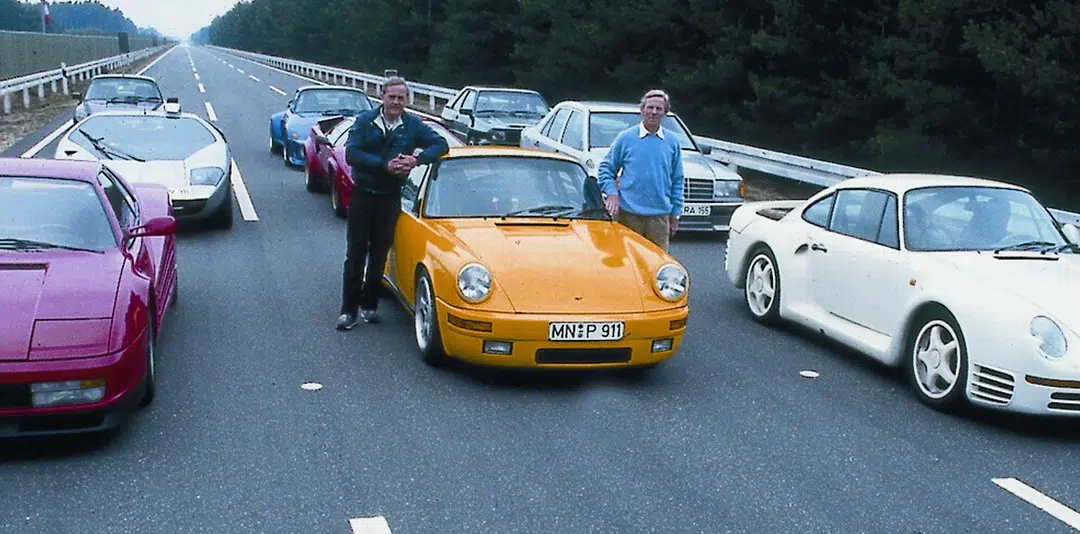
[792, 167]
[82, 71]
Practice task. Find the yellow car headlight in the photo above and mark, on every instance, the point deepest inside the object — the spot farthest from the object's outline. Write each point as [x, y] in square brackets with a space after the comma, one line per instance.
[474, 283]
[671, 282]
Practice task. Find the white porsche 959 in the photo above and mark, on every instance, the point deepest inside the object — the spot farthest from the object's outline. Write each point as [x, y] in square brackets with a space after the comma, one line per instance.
[971, 285]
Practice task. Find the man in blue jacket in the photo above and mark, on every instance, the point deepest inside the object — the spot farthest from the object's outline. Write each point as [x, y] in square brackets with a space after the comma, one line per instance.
[384, 145]
[648, 195]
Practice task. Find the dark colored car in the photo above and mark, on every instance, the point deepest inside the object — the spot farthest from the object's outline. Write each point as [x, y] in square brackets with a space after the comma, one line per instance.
[493, 115]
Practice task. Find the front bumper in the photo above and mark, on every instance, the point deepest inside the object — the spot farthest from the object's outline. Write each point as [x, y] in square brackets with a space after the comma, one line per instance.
[464, 339]
[194, 205]
[124, 374]
[718, 218]
[294, 151]
[1035, 393]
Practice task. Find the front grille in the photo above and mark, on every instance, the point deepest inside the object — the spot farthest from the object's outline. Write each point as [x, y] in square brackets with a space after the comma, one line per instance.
[699, 189]
[992, 385]
[511, 137]
[583, 356]
[15, 396]
[187, 207]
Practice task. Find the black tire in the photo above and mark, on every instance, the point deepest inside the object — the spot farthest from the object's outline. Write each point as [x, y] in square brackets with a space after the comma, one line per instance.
[929, 374]
[150, 380]
[425, 310]
[335, 199]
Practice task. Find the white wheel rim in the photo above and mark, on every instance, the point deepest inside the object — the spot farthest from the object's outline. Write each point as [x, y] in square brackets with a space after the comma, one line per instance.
[936, 359]
[424, 315]
[760, 285]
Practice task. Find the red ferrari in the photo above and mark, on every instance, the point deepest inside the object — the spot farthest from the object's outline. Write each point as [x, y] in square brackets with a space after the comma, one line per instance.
[87, 271]
[324, 159]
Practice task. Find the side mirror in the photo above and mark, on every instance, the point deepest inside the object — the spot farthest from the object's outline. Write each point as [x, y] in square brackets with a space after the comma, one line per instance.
[157, 226]
[705, 149]
[1071, 232]
[321, 140]
[76, 96]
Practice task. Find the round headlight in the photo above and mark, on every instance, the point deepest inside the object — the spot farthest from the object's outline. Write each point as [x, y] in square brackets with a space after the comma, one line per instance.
[1049, 336]
[671, 282]
[474, 282]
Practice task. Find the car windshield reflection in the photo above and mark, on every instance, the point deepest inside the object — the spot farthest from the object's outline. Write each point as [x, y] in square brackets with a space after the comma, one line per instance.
[142, 137]
[331, 102]
[512, 186]
[977, 218]
[605, 126]
[39, 214]
[123, 89]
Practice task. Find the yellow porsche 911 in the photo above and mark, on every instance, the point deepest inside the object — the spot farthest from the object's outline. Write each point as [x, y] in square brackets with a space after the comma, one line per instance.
[506, 257]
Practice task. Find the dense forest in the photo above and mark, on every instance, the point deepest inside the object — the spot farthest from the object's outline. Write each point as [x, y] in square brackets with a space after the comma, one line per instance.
[69, 17]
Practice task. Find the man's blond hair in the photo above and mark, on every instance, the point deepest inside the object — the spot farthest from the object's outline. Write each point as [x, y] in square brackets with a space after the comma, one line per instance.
[653, 93]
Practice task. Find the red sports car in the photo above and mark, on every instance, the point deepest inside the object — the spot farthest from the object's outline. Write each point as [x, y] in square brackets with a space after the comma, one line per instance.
[87, 270]
[324, 159]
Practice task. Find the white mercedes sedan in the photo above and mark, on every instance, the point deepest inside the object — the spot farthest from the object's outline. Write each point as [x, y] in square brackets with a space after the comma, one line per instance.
[970, 285]
[170, 147]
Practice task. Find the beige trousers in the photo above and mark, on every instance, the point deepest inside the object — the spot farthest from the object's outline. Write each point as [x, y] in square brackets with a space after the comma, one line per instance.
[655, 228]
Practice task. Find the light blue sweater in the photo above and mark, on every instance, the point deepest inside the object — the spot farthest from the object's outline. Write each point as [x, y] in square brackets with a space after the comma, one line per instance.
[652, 173]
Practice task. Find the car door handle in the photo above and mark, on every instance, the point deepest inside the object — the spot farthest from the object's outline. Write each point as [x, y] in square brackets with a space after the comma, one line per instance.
[819, 247]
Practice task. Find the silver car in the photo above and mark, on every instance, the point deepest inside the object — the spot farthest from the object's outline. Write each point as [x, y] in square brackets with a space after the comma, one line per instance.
[180, 150]
[117, 92]
[585, 131]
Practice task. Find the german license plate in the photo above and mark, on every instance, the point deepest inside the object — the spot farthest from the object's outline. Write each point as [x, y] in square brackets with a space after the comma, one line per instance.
[585, 331]
[697, 209]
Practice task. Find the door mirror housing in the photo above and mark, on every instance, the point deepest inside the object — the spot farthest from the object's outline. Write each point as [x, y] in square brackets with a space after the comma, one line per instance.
[158, 226]
[321, 140]
[76, 96]
[1071, 232]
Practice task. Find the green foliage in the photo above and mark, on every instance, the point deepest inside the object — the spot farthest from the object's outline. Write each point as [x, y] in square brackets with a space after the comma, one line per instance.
[85, 16]
[989, 87]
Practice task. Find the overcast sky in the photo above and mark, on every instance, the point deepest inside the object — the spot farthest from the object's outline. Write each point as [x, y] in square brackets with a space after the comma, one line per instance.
[174, 18]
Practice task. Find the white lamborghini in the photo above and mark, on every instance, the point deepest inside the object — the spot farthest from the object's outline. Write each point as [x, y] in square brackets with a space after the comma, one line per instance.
[971, 285]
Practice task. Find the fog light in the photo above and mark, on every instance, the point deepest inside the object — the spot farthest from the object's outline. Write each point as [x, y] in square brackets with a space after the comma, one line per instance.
[67, 392]
[662, 345]
[498, 347]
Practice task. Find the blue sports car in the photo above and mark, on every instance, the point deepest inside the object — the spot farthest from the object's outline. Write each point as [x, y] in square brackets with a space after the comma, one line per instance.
[311, 103]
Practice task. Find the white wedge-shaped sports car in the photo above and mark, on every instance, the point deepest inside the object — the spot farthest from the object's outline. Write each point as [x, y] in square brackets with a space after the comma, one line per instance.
[971, 285]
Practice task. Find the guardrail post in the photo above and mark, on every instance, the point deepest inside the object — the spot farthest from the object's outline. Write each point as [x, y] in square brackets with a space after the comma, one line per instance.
[7, 102]
[41, 91]
[431, 102]
[26, 98]
[54, 87]
[412, 98]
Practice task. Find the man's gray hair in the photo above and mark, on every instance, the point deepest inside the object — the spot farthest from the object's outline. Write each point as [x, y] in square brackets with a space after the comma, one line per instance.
[394, 80]
[657, 93]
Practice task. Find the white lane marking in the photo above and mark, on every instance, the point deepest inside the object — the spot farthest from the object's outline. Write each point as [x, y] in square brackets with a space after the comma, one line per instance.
[202, 89]
[241, 71]
[276, 90]
[1034, 497]
[254, 78]
[32, 151]
[196, 75]
[311, 386]
[247, 209]
[210, 112]
[231, 66]
[370, 525]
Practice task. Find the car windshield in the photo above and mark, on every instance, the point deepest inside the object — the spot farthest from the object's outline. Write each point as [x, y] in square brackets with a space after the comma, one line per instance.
[488, 186]
[142, 137]
[507, 103]
[123, 89]
[976, 218]
[605, 126]
[331, 102]
[51, 213]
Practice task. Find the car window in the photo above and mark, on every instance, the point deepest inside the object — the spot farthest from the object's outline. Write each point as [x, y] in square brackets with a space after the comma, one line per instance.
[332, 101]
[128, 196]
[575, 129]
[510, 104]
[470, 100]
[337, 135]
[974, 218]
[123, 89]
[52, 210]
[818, 213]
[557, 124]
[605, 126]
[889, 233]
[411, 190]
[146, 137]
[858, 213]
[495, 185]
[118, 202]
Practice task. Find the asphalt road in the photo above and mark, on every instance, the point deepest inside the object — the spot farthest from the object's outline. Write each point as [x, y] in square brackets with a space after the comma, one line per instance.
[726, 437]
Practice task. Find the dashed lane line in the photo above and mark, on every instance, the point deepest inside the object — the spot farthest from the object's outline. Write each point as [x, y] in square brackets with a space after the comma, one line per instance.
[32, 151]
[240, 71]
[1043, 502]
[276, 90]
[247, 209]
[369, 525]
[196, 75]
[254, 78]
[210, 112]
[202, 89]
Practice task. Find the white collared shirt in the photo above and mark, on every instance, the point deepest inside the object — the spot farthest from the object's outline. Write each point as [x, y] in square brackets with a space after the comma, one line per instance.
[642, 132]
[380, 121]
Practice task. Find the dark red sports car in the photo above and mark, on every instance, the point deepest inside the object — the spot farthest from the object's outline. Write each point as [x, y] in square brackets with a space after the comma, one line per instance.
[324, 159]
[87, 270]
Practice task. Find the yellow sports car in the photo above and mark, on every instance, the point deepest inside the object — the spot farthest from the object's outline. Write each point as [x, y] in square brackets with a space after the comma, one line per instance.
[506, 257]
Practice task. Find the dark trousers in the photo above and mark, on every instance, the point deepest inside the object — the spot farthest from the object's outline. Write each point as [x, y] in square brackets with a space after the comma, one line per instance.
[369, 233]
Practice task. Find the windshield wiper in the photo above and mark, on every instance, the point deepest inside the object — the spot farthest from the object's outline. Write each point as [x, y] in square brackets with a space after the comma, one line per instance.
[30, 244]
[1026, 245]
[541, 210]
[108, 151]
[342, 111]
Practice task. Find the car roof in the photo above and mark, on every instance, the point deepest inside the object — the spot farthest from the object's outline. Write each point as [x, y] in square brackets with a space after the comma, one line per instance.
[82, 170]
[122, 76]
[504, 151]
[497, 88]
[331, 87]
[902, 182]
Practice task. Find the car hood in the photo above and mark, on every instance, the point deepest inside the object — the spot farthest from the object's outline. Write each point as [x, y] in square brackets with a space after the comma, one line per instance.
[54, 285]
[172, 174]
[695, 165]
[1053, 286]
[567, 267]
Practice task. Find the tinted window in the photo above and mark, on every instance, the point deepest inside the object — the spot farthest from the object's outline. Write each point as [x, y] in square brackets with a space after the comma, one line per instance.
[61, 212]
[975, 218]
[491, 186]
[858, 213]
[142, 136]
[818, 213]
[119, 201]
[510, 103]
[575, 129]
[605, 126]
[123, 89]
[889, 234]
[332, 102]
[557, 123]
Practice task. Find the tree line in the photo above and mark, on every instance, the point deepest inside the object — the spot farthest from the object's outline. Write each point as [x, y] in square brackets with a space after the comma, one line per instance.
[984, 87]
[69, 17]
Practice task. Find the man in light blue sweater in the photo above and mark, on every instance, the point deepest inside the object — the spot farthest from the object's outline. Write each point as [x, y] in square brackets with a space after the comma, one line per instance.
[648, 195]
